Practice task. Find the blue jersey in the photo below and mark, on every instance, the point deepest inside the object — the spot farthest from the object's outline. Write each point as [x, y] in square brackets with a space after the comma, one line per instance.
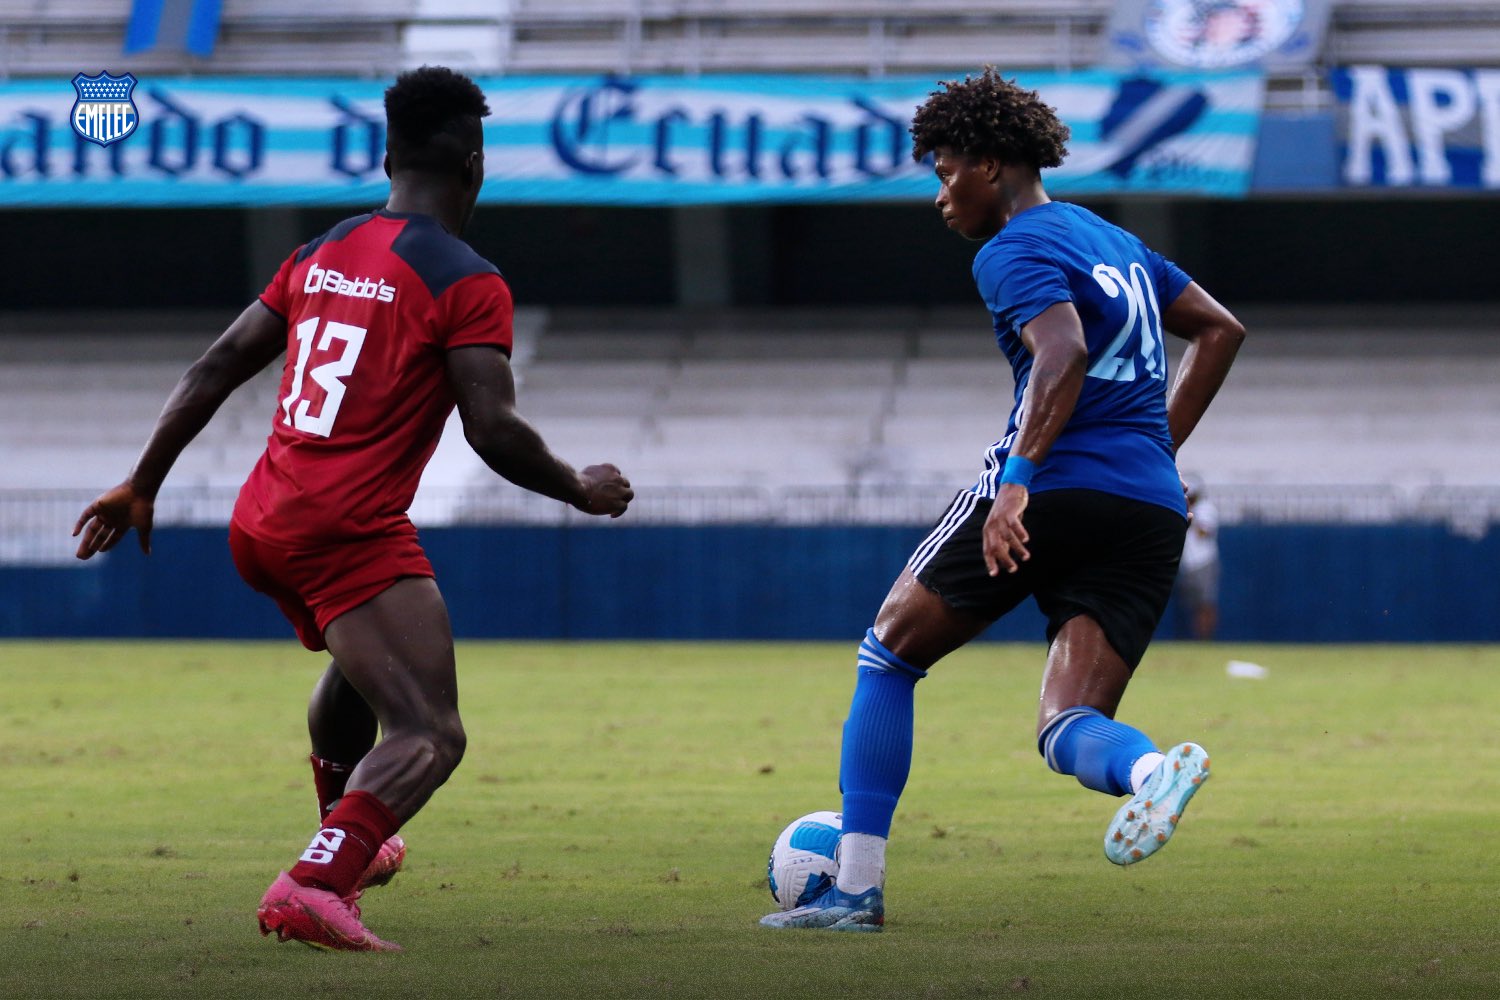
[1117, 439]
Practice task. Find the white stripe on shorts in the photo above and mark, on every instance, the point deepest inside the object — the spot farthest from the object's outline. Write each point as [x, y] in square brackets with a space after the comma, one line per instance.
[958, 512]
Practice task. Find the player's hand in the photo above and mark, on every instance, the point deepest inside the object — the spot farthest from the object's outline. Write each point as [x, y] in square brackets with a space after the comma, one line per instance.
[1187, 498]
[605, 490]
[108, 519]
[1005, 537]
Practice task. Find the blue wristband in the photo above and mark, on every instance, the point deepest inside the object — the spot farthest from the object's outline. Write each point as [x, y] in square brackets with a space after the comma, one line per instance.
[1018, 470]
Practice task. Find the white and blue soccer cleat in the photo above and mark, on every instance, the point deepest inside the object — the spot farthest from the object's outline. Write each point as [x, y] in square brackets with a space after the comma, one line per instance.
[835, 910]
[1150, 818]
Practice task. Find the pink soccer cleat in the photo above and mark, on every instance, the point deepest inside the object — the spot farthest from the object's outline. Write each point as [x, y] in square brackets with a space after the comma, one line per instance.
[315, 917]
[384, 865]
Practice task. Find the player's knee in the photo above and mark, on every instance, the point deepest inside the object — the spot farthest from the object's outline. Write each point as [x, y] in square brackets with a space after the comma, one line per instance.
[449, 743]
[327, 692]
[873, 655]
[436, 748]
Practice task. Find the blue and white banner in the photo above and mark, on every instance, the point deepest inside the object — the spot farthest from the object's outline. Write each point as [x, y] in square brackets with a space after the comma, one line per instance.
[629, 141]
[1418, 128]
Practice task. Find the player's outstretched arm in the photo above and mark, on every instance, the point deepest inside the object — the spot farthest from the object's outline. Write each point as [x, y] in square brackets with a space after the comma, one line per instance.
[1215, 337]
[250, 343]
[485, 390]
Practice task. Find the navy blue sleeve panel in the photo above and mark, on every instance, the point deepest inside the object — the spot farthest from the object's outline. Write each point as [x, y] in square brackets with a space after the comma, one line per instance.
[439, 258]
[333, 235]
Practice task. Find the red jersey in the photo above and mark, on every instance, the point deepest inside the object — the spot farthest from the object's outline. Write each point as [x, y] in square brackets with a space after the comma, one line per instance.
[371, 307]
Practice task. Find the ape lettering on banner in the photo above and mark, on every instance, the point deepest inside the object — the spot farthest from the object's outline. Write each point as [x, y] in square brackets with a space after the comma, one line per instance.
[1419, 127]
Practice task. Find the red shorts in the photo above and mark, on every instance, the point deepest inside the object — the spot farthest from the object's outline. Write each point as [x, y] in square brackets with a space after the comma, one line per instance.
[315, 586]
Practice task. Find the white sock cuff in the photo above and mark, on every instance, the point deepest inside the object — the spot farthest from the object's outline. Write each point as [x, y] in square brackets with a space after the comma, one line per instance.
[861, 862]
[1142, 768]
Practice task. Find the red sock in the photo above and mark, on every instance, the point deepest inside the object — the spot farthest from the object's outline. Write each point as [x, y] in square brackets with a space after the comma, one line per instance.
[342, 850]
[329, 778]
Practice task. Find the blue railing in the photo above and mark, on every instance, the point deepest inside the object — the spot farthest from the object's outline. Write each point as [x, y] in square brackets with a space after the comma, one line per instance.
[35, 525]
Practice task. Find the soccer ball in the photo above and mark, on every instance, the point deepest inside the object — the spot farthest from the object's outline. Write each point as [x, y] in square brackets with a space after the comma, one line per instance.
[805, 860]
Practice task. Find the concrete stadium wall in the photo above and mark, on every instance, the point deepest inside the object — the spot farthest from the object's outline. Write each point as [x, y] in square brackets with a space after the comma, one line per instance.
[1313, 583]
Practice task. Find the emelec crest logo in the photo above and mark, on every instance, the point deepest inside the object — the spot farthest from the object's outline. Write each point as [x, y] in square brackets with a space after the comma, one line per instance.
[320, 279]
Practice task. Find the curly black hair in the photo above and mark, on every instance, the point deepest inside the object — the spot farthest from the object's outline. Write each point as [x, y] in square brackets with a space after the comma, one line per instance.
[432, 119]
[990, 116]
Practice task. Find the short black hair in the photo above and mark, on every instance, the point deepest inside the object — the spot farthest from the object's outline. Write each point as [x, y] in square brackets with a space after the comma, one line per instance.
[990, 116]
[432, 119]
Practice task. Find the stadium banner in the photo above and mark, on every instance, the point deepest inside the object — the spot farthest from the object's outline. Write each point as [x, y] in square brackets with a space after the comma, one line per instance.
[1418, 128]
[1276, 35]
[600, 140]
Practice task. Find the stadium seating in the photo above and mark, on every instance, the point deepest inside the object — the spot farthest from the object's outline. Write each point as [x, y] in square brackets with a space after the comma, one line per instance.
[63, 37]
[60, 37]
[1430, 33]
[906, 35]
[838, 398]
[799, 416]
[851, 36]
[747, 400]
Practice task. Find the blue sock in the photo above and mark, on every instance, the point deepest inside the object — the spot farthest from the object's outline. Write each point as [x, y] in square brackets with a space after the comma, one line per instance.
[877, 738]
[1098, 750]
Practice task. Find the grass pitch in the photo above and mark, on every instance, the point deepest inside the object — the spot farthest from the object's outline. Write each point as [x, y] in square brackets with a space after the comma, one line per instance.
[606, 835]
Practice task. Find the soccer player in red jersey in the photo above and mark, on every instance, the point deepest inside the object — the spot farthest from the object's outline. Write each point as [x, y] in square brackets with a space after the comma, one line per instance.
[384, 324]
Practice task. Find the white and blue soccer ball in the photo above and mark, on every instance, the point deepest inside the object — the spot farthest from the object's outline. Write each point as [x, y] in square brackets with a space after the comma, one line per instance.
[805, 859]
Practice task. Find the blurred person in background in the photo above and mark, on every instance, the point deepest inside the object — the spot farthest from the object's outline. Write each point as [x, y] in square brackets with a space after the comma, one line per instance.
[1080, 504]
[1197, 589]
[382, 325]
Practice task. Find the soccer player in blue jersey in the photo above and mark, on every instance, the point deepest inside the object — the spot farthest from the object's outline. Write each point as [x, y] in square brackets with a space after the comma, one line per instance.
[1079, 506]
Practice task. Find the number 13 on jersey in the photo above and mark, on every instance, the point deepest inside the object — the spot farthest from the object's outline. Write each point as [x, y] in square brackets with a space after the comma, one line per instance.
[347, 341]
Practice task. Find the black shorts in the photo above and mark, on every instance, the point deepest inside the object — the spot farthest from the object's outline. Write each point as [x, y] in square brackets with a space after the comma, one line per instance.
[1097, 554]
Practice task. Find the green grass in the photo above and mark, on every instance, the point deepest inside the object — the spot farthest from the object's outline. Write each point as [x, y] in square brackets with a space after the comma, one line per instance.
[606, 835]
